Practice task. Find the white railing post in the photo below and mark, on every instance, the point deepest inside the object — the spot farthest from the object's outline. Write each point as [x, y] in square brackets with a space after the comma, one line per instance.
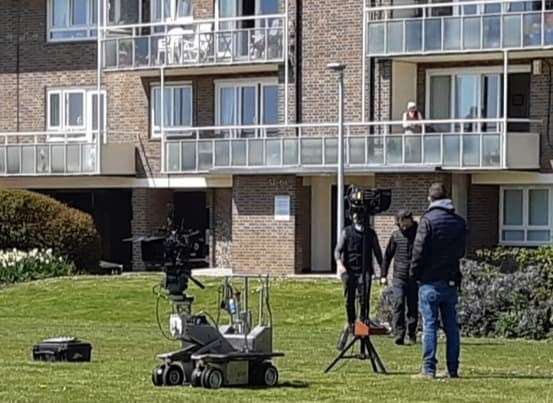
[505, 105]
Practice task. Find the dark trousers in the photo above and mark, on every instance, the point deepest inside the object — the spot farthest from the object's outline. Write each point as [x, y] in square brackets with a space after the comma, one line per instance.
[405, 299]
[353, 292]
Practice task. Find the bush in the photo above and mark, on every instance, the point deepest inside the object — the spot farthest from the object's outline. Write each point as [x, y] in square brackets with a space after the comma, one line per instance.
[507, 304]
[506, 292]
[33, 221]
[17, 266]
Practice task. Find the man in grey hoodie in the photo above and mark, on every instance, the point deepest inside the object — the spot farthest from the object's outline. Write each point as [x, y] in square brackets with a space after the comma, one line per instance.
[439, 245]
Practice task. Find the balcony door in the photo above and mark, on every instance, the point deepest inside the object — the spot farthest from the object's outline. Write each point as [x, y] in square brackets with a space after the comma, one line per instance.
[241, 32]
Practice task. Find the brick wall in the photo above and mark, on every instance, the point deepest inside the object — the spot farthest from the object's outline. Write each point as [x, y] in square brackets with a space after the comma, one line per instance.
[409, 191]
[149, 215]
[303, 227]
[259, 243]
[331, 33]
[483, 216]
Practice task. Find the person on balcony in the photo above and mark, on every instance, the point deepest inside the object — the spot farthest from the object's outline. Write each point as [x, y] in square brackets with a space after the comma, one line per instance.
[404, 286]
[410, 118]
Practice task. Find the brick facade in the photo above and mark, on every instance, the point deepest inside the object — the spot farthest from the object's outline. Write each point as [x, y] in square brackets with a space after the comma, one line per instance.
[259, 242]
[483, 216]
[409, 191]
[222, 214]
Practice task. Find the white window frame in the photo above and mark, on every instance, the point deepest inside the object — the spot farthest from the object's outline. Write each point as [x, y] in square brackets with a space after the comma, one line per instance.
[90, 26]
[454, 72]
[155, 131]
[258, 83]
[65, 132]
[525, 216]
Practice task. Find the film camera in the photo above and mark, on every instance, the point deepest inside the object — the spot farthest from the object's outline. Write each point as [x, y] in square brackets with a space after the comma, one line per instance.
[367, 202]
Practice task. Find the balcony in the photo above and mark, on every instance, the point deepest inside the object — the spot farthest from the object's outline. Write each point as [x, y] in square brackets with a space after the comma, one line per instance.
[459, 27]
[196, 43]
[367, 147]
[62, 154]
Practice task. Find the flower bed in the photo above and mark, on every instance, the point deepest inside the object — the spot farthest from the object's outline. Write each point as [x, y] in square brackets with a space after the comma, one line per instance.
[19, 266]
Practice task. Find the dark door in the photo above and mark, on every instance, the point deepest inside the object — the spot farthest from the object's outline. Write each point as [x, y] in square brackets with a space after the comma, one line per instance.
[347, 221]
[191, 213]
[518, 105]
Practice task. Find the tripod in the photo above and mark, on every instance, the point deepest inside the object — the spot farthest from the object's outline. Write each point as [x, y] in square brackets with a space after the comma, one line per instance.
[362, 325]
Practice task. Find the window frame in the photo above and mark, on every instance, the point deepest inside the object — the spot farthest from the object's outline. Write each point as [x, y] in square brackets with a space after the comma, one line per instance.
[525, 227]
[64, 132]
[454, 73]
[155, 131]
[237, 85]
[90, 27]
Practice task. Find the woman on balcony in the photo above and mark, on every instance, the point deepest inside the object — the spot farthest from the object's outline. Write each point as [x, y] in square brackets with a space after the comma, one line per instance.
[410, 117]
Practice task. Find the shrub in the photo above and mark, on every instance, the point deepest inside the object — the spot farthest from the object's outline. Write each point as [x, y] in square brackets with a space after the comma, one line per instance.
[506, 292]
[512, 304]
[17, 266]
[29, 220]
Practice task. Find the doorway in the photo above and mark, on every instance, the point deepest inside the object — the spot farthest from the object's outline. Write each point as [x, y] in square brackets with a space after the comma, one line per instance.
[192, 213]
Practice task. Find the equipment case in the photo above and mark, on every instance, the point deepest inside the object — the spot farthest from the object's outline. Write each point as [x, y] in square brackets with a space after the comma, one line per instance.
[62, 349]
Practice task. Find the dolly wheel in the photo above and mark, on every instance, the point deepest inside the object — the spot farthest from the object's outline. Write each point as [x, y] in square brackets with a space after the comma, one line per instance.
[173, 376]
[214, 378]
[157, 375]
[270, 374]
[196, 377]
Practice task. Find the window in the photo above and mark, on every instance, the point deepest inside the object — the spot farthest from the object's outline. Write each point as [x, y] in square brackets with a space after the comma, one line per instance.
[171, 10]
[247, 103]
[72, 20]
[525, 217]
[74, 112]
[177, 108]
[475, 93]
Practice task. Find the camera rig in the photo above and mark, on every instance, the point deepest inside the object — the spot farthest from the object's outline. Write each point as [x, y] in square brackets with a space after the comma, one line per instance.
[365, 203]
[211, 356]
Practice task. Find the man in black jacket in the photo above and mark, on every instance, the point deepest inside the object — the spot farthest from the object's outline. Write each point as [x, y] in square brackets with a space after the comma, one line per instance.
[404, 286]
[349, 255]
[439, 246]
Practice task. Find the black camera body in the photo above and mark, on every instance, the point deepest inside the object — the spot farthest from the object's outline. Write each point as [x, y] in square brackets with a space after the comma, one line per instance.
[367, 202]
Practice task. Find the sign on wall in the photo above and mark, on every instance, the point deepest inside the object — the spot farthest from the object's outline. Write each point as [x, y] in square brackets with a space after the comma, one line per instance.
[282, 208]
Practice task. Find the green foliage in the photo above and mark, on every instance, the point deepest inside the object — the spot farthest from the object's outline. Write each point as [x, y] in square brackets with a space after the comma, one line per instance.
[29, 220]
[508, 292]
[17, 266]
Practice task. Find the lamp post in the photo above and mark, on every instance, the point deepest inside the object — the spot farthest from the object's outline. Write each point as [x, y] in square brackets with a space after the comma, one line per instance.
[339, 68]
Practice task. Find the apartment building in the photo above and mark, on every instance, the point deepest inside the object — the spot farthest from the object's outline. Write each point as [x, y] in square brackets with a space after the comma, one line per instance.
[226, 109]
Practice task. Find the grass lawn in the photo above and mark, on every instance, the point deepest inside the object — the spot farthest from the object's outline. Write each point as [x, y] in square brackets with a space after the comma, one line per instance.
[117, 315]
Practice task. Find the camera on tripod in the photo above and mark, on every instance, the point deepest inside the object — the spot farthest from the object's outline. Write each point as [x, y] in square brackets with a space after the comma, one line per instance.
[367, 202]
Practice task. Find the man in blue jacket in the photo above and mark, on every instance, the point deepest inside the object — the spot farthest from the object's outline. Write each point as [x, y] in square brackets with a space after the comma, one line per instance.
[439, 246]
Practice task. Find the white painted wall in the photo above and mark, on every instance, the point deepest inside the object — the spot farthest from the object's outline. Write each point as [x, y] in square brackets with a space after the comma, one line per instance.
[459, 193]
[404, 87]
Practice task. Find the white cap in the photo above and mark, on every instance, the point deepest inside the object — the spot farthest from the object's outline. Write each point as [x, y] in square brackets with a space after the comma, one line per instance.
[411, 105]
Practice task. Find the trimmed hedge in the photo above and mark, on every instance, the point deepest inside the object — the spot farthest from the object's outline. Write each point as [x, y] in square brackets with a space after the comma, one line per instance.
[34, 221]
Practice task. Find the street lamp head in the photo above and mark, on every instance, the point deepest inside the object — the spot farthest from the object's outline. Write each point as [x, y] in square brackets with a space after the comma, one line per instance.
[337, 67]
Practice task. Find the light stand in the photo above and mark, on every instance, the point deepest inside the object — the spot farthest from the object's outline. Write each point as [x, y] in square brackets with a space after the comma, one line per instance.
[362, 325]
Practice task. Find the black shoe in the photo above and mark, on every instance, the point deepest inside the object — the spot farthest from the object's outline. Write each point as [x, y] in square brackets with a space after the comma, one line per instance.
[399, 341]
[343, 339]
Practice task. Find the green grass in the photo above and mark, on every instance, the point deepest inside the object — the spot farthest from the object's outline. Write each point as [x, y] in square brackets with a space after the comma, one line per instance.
[117, 316]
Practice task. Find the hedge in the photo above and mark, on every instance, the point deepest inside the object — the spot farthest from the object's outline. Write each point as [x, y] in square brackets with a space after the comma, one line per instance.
[506, 292]
[34, 221]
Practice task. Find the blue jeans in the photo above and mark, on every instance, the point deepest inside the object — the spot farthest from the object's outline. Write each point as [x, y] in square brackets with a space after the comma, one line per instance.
[439, 298]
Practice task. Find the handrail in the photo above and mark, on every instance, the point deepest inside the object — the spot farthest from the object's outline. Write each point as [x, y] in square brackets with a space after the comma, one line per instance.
[175, 131]
[154, 24]
[451, 3]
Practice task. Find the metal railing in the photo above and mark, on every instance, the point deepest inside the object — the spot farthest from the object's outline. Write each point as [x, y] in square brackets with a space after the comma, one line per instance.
[194, 43]
[451, 144]
[464, 26]
[48, 154]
